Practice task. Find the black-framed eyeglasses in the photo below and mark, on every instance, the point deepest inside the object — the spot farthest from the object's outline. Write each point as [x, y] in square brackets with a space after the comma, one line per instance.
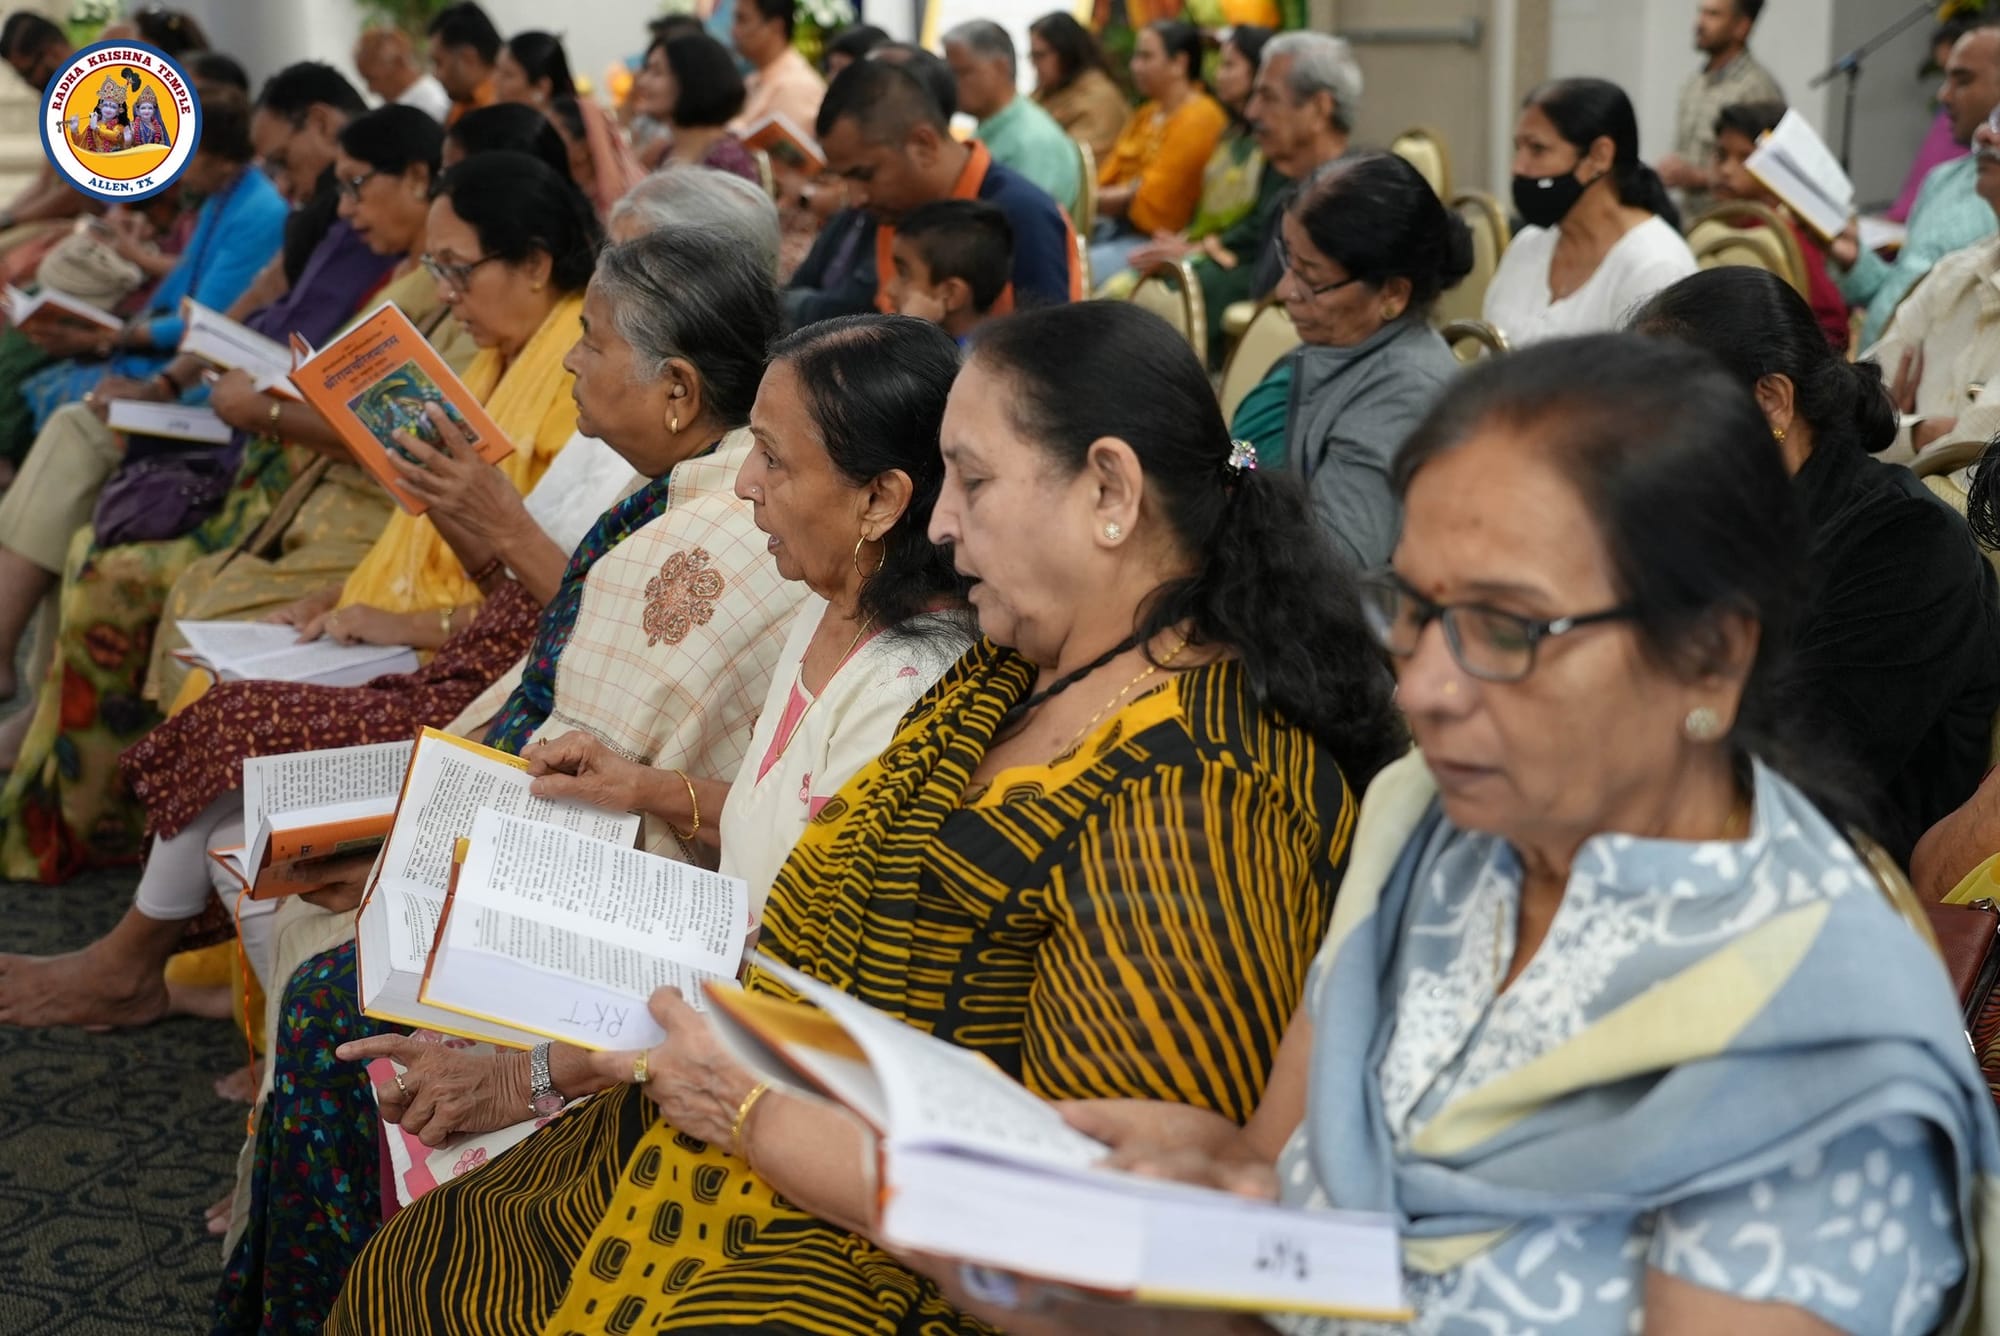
[453, 276]
[350, 186]
[1285, 262]
[1490, 644]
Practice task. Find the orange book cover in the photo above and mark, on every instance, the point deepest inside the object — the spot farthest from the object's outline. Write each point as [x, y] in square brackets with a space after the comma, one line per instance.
[297, 876]
[329, 839]
[376, 381]
[787, 143]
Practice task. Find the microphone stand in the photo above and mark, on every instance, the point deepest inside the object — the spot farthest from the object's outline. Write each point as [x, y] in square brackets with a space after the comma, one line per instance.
[1849, 66]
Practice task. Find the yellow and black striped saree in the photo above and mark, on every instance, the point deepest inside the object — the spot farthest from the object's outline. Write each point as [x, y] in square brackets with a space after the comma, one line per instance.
[1135, 919]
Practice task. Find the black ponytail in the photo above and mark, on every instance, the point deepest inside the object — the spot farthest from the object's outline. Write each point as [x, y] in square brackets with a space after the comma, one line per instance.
[1586, 110]
[875, 387]
[1757, 325]
[1266, 583]
[1377, 218]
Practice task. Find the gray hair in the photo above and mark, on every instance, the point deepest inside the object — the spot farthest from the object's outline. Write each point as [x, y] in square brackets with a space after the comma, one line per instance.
[985, 39]
[695, 294]
[1320, 64]
[722, 203]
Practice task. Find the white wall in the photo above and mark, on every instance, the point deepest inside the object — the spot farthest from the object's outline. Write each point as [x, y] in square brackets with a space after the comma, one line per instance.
[1647, 48]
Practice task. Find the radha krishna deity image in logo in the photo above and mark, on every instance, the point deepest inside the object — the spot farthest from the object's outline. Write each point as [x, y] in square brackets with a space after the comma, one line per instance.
[121, 120]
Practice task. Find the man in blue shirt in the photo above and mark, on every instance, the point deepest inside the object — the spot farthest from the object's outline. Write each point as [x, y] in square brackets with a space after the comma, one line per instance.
[888, 138]
[1948, 214]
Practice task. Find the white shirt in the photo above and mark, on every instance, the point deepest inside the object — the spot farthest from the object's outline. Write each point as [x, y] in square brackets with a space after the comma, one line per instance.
[805, 748]
[585, 479]
[428, 95]
[1649, 257]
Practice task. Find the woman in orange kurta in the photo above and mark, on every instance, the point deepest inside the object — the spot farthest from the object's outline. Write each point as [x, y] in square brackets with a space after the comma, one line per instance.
[1151, 183]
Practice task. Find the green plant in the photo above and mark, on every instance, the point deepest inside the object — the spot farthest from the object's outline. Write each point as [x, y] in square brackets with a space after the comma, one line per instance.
[412, 16]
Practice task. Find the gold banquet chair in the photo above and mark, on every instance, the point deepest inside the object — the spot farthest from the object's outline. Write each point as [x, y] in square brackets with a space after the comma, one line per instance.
[1471, 340]
[1424, 150]
[1487, 221]
[1083, 213]
[1171, 291]
[1751, 248]
[1268, 336]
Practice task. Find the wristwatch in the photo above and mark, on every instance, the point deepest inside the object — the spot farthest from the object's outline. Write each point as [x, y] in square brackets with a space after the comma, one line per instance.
[544, 1100]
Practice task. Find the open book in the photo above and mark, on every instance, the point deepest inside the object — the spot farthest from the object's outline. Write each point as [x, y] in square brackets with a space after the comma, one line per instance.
[270, 652]
[550, 931]
[976, 1166]
[179, 422]
[307, 816]
[1795, 164]
[49, 309]
[233, 346]
[448, 782]
[782, 137]
[375, 381]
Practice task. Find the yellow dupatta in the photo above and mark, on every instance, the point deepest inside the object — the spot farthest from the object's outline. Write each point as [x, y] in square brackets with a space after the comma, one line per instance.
[411, 568]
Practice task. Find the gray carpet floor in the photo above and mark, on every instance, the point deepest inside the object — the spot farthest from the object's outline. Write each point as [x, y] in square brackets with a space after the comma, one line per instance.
[111, 1146]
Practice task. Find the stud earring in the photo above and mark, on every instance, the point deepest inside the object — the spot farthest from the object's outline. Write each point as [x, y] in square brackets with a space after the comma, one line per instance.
[1113, 531]
[1702, 724]
[674, 422]
[1778, 435]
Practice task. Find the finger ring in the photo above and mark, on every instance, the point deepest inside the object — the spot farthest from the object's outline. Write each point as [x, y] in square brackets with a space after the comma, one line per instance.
[640, 1068]
[400, 1086]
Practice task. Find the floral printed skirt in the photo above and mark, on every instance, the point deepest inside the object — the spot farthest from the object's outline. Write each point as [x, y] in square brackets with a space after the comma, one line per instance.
[315, 1179]
[66, 806]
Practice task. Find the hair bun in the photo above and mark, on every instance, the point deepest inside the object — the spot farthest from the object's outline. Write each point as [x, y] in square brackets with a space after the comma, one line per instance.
[1458, 249]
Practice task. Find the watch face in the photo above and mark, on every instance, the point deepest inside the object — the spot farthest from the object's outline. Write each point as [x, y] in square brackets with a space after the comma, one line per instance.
[549, 1105]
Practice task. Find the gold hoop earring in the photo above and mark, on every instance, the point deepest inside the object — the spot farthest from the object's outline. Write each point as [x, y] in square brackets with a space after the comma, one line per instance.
[674, 422]
[880, 560]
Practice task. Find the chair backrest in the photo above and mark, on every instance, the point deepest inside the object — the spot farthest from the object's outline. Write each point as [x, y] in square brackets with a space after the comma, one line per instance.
[1424, 150]
[1083, 259]
[765, 176]
[1471, 340]
[1752, 248]
[1084, 212]
[1171, 291]
[1739, 219]
[1267, 337]
[1487, 222]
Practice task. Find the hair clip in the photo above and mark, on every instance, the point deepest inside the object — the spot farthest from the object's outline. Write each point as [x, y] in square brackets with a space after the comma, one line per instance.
[1242, 459]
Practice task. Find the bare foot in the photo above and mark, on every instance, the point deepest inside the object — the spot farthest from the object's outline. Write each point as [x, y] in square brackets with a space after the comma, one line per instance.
[216, 1218]
[91, 987]
[212, 1003]
[13, 732]
[240, 1086]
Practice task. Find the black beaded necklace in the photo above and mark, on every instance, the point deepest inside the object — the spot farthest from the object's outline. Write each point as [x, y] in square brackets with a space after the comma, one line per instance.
[1018, 715]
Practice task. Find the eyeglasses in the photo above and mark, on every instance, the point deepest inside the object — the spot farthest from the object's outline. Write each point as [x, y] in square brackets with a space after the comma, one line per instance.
[453, 276]
[1489, 644]
[1285, 260]
[350, 186]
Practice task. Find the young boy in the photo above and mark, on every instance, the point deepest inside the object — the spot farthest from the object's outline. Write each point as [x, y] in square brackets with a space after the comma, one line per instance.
[1736, 133]
[953, 260]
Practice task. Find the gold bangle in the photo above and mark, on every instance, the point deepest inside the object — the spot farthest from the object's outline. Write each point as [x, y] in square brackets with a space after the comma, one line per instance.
[757, 1092]
[277, 413]
[446, 616]
[694, 805]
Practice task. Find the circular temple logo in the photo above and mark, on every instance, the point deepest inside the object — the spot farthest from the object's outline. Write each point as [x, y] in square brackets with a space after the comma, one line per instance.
[121, 120]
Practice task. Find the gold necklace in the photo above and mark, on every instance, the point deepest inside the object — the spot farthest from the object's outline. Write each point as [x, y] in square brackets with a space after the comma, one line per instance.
[799, 679]
[1123, 691]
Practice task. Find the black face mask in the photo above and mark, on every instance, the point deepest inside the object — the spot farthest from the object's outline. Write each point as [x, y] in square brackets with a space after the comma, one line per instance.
[1545, 201]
